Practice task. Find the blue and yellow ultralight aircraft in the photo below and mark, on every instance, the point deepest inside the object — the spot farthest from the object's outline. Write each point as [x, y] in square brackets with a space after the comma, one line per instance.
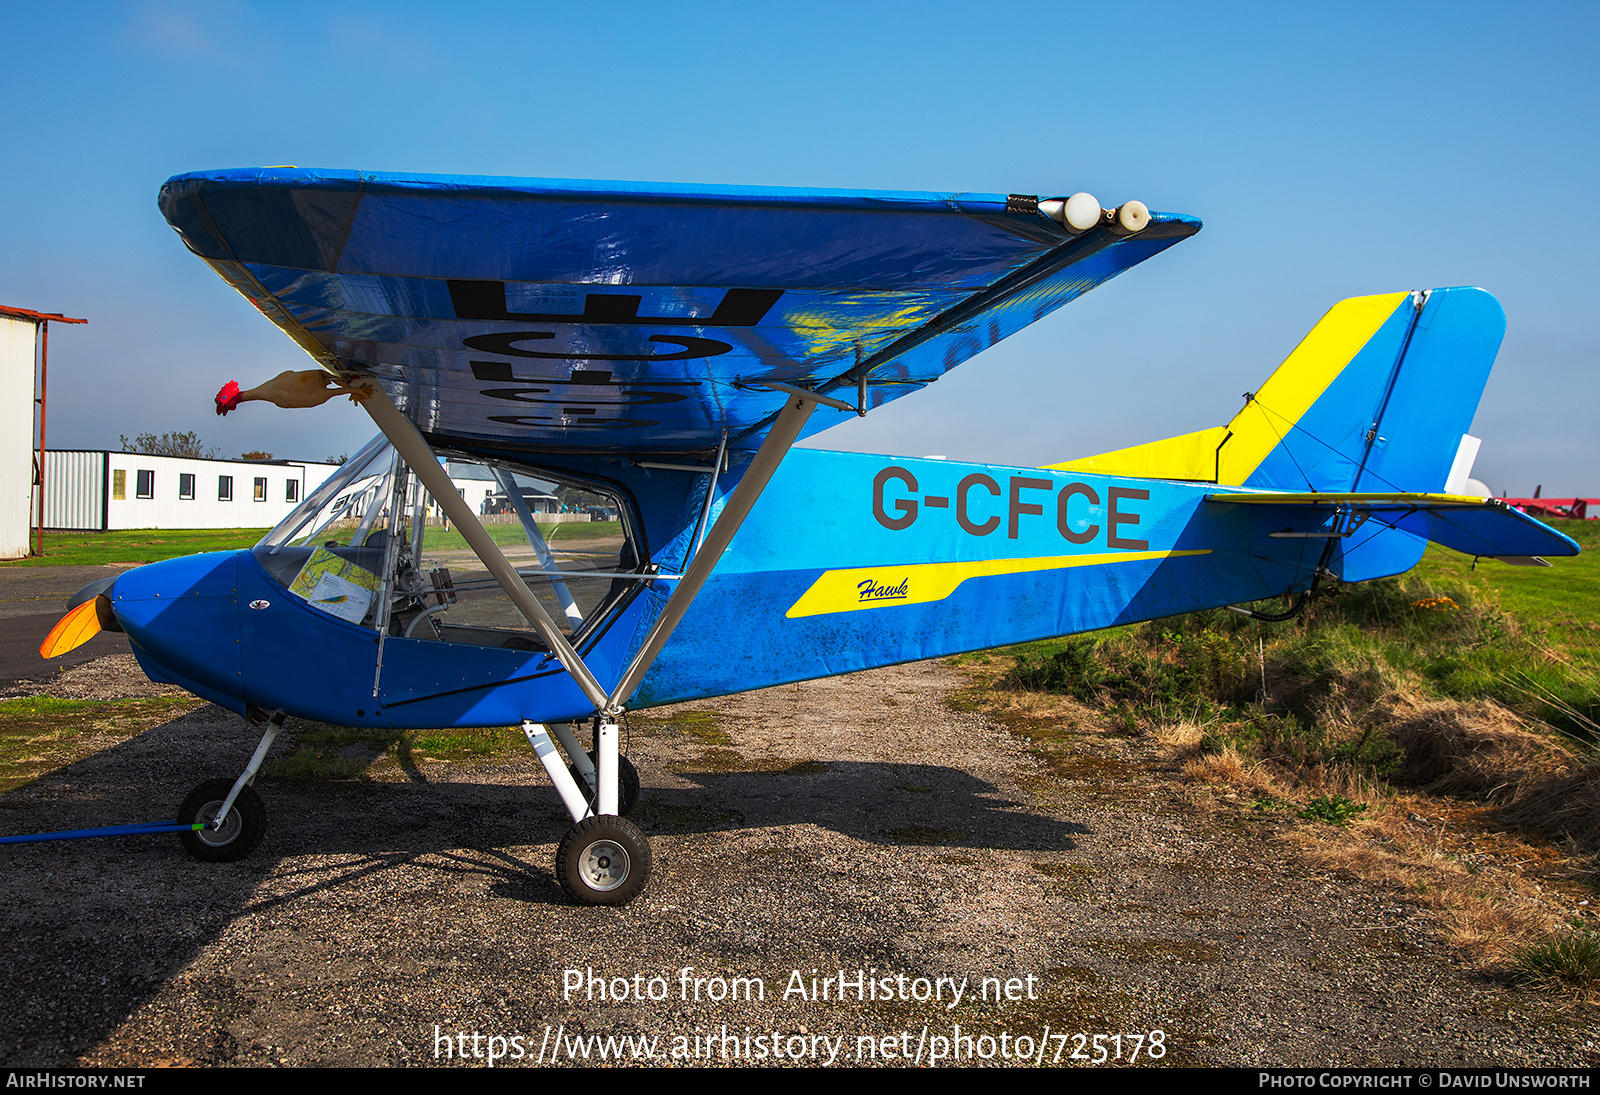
[654, 352]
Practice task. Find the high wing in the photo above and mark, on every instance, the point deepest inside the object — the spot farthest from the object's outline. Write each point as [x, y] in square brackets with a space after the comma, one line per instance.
[599, 316]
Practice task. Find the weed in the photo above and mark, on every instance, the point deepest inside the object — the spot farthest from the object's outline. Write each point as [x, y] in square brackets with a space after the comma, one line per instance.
[1569, 959]
[1333, 809]
[1270, 805]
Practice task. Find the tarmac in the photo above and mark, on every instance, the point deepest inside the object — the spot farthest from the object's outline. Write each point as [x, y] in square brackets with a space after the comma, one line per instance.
[32, 600]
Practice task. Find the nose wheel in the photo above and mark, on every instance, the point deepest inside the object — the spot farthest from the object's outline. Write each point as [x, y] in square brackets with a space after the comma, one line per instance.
[603, 860]
[236, 836]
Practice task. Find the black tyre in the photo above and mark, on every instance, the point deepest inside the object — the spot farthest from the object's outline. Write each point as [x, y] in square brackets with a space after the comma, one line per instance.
[627, 784]
[240, 833]
[603, 860]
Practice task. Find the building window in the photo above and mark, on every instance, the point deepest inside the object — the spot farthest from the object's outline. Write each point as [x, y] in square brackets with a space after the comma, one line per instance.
[146, 487]
[291, 491]
[224, 488]
[261, 490]
[186, 487]
[119, 485]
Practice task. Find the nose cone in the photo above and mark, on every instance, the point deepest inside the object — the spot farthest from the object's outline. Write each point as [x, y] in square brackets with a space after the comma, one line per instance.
[101, 588]
[182, 618]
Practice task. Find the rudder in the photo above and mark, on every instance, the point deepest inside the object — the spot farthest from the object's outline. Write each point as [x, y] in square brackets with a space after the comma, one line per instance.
[1378, 396]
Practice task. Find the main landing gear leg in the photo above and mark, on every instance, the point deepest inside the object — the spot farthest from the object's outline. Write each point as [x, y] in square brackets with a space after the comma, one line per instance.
[603, 859]
[582, 766]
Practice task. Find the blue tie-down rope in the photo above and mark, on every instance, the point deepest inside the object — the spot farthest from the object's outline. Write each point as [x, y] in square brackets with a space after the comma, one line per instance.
[110, 830]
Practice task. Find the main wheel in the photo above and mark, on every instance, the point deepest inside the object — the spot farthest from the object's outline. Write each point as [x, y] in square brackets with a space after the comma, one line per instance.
[240, 831]
[603, 860]
[627, 784]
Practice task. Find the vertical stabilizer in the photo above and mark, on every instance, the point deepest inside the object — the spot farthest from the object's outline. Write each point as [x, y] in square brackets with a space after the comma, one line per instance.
[1377, 397]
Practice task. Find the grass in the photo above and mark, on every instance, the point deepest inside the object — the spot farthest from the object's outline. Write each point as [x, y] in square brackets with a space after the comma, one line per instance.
[70, 549]
[1562, 602]
[1303, 692]
[324, 752]
[1568, 960]
[1435, 732]
[555, 534]
[39, 734]
[62, 549]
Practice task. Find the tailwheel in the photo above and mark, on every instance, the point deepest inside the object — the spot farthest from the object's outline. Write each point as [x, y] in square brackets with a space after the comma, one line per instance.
[239, 832]
[603, 860]
[627, 783]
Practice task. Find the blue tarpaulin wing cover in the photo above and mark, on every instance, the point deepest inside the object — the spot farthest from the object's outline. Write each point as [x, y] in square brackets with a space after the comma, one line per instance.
[590, 316]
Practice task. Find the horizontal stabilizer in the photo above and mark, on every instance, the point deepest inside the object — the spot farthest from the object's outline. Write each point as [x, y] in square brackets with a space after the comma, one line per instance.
[1473, 526]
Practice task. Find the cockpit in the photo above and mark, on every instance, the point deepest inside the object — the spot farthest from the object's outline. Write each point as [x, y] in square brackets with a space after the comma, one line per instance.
[371, 547]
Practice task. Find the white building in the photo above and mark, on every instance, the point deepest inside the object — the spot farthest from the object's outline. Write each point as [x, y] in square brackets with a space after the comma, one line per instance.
[482, 491]
[96, 490]
[18, 352]
[24, 367]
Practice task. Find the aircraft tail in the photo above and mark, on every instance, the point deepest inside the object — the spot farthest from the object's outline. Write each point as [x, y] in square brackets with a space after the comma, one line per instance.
[1366, 421]
[1377, 398]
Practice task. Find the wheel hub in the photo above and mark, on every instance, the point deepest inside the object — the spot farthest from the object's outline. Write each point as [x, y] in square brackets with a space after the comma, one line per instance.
[218, 835]
[604, 864]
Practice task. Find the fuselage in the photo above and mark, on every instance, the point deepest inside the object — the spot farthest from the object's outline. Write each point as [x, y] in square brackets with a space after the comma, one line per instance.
[847, 562]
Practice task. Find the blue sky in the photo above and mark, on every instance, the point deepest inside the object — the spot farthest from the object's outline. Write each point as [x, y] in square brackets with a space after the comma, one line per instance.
[1332, 151]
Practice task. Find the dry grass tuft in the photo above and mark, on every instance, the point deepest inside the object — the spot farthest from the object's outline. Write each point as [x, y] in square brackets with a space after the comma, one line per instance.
[1478, 749]
[1479, 815]
[1183, 734]
[1483, 750]
[1479, 908]
[1462, 866]
[1566, 808]
[1224, 767]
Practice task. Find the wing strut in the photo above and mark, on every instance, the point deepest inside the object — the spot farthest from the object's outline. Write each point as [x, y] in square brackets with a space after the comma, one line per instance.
[508, 483]
[785, 430]
[416, 452]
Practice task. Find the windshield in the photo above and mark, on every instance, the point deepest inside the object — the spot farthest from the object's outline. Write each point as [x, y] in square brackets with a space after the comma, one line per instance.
[372, 547]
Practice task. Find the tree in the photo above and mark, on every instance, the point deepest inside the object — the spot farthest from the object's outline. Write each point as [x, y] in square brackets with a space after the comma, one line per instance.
[255, 456]
[170, 444]
[340, 459]
[574, 498]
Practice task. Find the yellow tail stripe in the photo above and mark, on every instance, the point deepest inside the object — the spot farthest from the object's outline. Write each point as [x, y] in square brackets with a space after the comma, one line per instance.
[921, 583]
[73, 630]
[1255, 431]
[1300, 381]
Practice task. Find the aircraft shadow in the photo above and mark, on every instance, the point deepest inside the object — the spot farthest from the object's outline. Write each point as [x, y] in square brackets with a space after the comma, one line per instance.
[94, 928]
